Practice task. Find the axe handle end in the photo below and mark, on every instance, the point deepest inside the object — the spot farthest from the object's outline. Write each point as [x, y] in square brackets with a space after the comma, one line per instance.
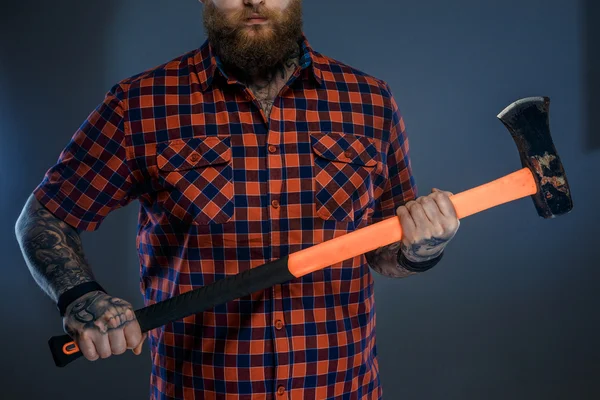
[510, 187]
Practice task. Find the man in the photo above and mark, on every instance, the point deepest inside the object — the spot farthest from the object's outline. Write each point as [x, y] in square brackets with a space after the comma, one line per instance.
[245, 150]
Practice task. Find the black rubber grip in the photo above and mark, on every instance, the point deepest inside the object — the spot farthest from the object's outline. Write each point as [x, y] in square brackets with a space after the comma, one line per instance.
[220, 292]
[193, 302]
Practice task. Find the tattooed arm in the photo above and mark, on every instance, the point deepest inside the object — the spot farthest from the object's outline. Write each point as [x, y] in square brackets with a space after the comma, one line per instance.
[101, 324]
[399, 260]
[52, 250]
[428, 224]
[384, 261]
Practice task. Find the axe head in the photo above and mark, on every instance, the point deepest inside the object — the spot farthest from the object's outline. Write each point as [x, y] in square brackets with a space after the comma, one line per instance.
[528, 122]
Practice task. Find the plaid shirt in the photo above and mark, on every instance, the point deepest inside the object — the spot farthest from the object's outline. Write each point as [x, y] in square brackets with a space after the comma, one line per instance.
[221, 189]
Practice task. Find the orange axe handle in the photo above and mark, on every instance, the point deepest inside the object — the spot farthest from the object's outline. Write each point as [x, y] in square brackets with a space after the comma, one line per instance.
[508, 188]
[511, 187]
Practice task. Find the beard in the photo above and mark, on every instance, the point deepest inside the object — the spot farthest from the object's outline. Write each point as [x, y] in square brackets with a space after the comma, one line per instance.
[258, 49]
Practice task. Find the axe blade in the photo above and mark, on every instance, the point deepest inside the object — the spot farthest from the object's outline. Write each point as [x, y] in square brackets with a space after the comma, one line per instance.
[527, 120]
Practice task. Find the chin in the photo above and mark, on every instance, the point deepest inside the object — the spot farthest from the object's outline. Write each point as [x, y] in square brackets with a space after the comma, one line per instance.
[258, 31]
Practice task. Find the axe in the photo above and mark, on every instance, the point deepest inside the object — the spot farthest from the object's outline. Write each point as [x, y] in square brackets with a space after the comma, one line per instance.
[542, 178]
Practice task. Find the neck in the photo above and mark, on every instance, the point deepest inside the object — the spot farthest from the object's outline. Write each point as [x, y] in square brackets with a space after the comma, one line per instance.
[267, 84]
[281, 70]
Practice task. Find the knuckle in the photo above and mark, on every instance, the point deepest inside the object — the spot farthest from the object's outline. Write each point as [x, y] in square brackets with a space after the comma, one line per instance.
[86, 335]
[117, 320]
[426, 202]
[129, 314]
[403, 212]
[412, 207]
[408, 240]
[105, 318]
[439, 232]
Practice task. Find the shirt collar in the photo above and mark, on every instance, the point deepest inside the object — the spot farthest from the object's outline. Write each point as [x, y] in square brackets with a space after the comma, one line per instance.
[207, 64]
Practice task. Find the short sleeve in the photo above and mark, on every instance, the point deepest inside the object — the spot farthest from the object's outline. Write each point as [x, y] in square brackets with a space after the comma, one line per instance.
[91, 177]
[400, 186]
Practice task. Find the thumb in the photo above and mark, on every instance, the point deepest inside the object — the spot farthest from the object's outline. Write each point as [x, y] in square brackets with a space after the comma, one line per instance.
[138, 350]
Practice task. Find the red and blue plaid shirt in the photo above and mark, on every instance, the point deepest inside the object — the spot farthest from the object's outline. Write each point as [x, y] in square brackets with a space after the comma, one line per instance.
[221, 189]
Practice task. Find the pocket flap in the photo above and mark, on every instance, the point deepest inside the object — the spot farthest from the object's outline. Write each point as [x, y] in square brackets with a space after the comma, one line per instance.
[184, 154]
[345, 148]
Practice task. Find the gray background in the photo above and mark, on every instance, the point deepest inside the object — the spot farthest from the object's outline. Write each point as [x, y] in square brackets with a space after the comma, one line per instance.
[512, 310]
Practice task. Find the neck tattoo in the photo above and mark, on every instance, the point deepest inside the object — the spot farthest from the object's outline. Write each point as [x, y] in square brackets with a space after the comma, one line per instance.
[267, 87]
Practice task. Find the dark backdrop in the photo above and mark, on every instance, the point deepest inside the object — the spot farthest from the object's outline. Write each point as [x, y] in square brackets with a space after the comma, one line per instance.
[512, 310]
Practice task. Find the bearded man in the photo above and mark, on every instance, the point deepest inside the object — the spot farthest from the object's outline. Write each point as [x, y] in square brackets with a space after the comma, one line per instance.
[240, 152]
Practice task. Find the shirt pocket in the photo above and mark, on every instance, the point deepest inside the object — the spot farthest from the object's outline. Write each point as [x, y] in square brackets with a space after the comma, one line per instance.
[344, 170]
[198, 177]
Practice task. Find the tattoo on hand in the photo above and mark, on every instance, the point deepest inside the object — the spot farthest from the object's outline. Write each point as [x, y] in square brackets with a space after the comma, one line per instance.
[98, 307]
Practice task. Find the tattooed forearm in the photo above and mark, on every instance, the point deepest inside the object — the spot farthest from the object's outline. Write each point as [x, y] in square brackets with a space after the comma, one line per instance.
[384, 261]
[52, 250]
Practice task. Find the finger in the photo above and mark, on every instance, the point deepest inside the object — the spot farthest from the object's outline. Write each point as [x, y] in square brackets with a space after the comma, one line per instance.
[432, 212]
[102, 345]
[444, 204]
[133, 334]
[138, 350]
[418, 215]
[87, 348]
[406, 220]
[118, 344]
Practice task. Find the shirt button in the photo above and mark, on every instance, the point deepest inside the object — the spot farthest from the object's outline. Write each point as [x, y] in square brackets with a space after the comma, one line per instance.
[280, 390]
[348, 154]
[275, 204]
[272, 149]
[278, 324]
[195, 157]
